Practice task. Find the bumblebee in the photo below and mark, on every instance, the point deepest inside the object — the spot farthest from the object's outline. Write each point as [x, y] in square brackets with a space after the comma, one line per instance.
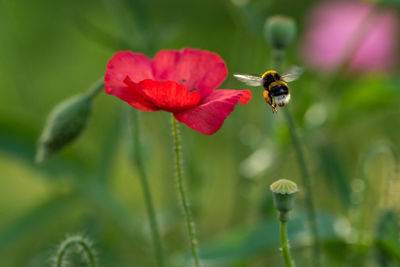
[276, 89]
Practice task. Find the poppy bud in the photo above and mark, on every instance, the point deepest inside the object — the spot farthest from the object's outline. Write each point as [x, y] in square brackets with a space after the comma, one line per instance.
[280, 31]
[284, 194]
[65, 122]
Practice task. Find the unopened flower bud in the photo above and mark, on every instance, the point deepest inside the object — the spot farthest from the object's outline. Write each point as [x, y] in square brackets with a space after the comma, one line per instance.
[65, 122]
[284, 194]
[280, 31]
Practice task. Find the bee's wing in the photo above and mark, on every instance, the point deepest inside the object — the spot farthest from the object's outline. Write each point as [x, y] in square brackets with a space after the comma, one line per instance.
[249, 79]
[293, 74]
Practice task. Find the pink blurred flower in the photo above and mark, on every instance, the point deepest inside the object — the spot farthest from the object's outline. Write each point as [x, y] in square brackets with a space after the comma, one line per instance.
[354, 31]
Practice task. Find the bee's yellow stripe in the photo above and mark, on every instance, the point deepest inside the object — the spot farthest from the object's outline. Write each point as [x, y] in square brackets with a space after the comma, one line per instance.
[275, 83]
[267, 97]
[268, 72]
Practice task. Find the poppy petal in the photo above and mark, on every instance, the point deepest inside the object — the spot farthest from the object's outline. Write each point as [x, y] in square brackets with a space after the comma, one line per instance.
[125, 63]
[197, 69]
[135, 97]
[208, 117]
[168, 95]
[246, 96]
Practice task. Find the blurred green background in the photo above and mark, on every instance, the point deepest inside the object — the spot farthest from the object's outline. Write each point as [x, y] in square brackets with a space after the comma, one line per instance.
[349, 125]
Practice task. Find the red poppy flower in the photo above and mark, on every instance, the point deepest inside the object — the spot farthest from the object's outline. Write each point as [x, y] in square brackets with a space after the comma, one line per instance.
[182, 82]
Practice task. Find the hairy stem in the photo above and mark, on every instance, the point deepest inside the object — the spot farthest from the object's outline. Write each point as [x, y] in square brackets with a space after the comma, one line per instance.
[75, 240]
[182, 194]
[305, 174]
[138, 158]
[285, 244]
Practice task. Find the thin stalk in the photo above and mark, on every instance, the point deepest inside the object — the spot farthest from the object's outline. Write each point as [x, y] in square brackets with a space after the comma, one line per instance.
[138, 158]
[305, 174]
[96, 88]
[285, 245]
[182, 194]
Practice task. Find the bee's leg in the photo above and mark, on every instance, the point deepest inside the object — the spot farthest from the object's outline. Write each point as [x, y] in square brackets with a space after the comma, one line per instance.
[274, 107]
[268, 99]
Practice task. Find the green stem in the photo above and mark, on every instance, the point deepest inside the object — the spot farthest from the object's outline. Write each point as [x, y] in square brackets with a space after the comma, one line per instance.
[305, 174]
[307, 185]
[138, 158]
[75, 240]
[285, 244]
[185, 202]
[96, 88]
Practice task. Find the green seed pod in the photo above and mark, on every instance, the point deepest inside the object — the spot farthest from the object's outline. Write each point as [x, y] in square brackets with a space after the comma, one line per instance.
[280, 31]
[284, 194]
[65, 122]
